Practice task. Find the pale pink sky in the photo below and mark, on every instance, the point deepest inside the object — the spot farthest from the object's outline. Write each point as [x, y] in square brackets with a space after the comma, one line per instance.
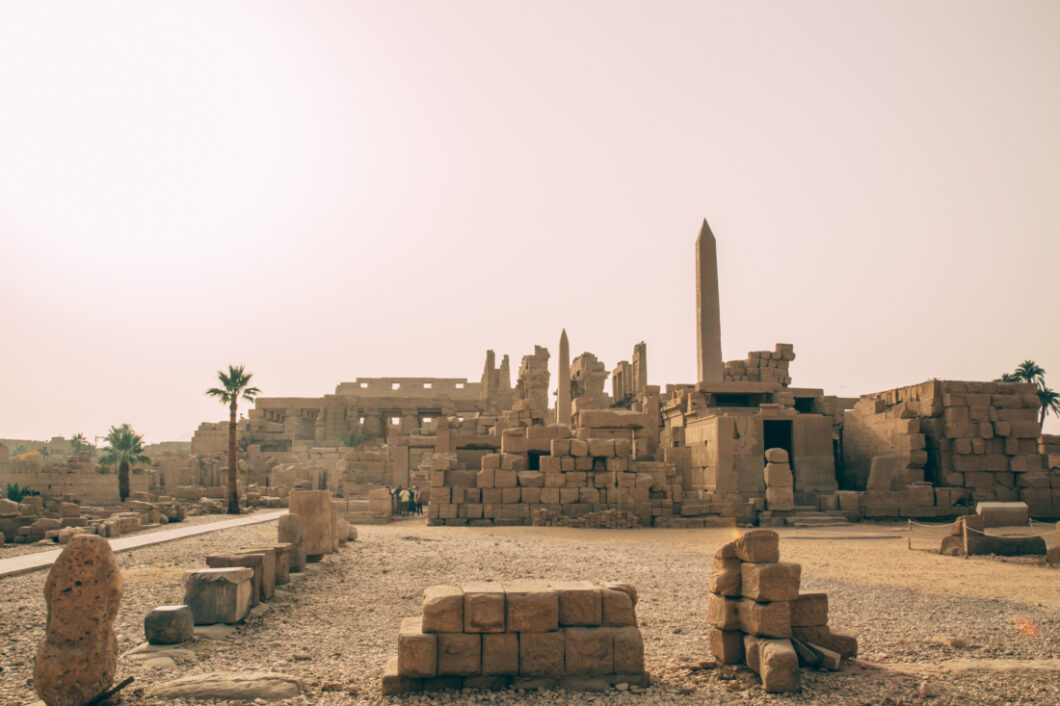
[325, 190]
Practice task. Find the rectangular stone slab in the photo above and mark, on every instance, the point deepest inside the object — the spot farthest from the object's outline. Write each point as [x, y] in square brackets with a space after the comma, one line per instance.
[459, 654]
[500, 653]
[417, 650]
[532, 607]
[484, 607]
[628, 650]
[443, 609]
[770, 582]
[809, 610]
[589, 651]
[580, 603]
[254, 562]
[219, 595]
[765, 619]
[542, 654]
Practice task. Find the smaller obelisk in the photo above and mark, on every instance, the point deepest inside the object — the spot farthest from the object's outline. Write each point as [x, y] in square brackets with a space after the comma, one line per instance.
[708, 310]
[563, 396]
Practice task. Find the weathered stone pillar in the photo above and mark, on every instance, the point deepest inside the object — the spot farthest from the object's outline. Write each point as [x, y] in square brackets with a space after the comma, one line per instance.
[563, 392]
[708, 309]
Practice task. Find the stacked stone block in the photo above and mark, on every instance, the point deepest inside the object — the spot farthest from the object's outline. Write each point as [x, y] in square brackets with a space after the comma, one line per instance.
[604, 519]
[527, 634]
[758, 617]
[575, 478]
[780, 483]
[59, 519]
[762, 366]
[955, 444]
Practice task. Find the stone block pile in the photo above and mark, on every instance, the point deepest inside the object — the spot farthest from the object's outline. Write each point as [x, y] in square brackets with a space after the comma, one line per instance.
[759, 618]
[489, 635]
[574, 478]
[780, 483]
[762, 366]
[59, 519]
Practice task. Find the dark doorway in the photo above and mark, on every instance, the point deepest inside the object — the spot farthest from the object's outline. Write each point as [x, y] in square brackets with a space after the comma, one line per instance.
[776, 434]
[533, 460]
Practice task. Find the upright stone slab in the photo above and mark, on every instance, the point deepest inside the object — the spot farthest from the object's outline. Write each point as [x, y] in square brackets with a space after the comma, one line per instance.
[254, 562]
[79, 656]
[290, 530]
[219, 595]
[315, 509]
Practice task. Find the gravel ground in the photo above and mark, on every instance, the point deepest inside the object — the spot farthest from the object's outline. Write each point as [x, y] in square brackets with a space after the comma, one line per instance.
[334, 626]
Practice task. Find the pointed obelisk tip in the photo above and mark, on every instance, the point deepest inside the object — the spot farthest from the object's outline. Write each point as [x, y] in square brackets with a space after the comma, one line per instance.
[563, 335]
[705, 230]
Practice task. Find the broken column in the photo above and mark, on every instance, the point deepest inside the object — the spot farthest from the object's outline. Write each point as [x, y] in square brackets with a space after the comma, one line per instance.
[316, 510]
[79, 656]
[218, 595]
[169, 625]
[289, 530]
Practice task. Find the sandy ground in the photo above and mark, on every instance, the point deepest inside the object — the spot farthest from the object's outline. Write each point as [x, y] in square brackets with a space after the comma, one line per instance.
[334, 626]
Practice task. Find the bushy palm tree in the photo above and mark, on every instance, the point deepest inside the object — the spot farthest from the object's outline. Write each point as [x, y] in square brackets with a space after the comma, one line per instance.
[79, 443]
[234, 384]
[124, 447]
[1050, 400]
[1008, 377]
[1029, 371]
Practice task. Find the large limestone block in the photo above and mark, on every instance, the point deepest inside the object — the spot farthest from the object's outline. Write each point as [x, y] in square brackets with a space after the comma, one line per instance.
[79, 656]
[617, 607]
[484, 607]
[1008, 514]
[268, 578]
[628, 650]
[532, 607]
[723, 613]
[841, 642]
[725, 583]
[220, 595]
[757, 546]
[315, 509]
[765, 619]
[778, 666]
[580, 603]
[459, 654]
[726, 645]
[589, 651]
[254, 562]
[227, 686]
[443, 609]
[417, 650]
[500, 653]
[542, 654]
[770, 582]
[169, 625]
[290, 530]
[778, 475]
[809, 610]
[780, 498]
[777, 456]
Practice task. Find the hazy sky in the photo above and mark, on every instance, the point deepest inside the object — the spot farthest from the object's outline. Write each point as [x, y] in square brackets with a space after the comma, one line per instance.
[326, 190]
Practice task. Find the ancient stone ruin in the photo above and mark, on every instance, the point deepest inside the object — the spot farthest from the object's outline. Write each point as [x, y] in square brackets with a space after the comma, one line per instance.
[759, 618]
[79, 656]
[526, 634]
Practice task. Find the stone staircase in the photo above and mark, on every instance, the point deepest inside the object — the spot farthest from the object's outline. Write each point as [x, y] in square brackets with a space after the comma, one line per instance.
[810, 516]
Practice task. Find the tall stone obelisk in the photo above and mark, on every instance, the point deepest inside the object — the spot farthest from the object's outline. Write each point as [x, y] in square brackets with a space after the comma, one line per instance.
[708, 313]
[563, 396]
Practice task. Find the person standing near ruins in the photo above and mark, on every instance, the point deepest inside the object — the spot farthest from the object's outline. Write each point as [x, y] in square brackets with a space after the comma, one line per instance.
[418, 499]
[403, 500]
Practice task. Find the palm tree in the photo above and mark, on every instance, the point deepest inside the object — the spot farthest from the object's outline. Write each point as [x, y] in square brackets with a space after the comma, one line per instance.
[77, 443]
[1029, 371]
[1050, 400]
[125, 447]
[233, 386]
[1008, 377]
